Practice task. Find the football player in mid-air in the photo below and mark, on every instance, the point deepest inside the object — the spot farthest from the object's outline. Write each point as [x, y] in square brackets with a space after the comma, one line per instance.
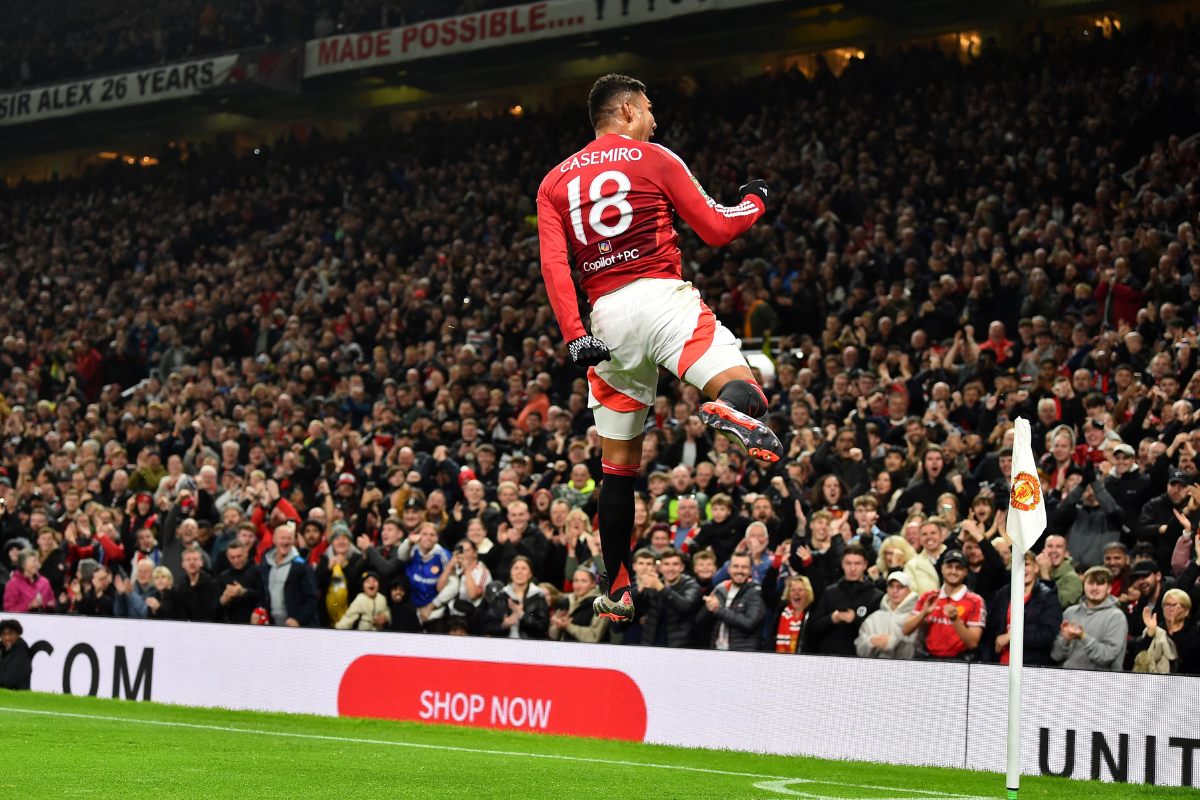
[612, 205]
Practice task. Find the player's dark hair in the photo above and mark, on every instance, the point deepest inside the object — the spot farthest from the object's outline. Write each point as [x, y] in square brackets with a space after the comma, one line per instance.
[609, 92]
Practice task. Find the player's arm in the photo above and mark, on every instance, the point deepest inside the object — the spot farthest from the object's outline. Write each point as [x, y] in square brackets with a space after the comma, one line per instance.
[716, 224]
[585, 350]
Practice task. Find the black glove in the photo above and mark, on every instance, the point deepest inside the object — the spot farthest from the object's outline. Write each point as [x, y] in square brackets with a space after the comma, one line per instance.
[588, 351]
[755, 187]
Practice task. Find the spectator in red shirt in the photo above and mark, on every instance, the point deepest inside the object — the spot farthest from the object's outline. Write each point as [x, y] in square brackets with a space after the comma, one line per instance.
[998, 342]
[952, 618]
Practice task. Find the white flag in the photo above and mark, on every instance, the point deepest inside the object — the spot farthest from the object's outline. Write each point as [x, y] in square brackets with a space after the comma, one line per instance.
[1026, 504]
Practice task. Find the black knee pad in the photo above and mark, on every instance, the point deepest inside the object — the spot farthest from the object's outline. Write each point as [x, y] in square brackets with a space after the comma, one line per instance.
[745, 396]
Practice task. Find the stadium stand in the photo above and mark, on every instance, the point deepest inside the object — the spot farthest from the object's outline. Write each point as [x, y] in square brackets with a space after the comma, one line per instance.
[352, 336]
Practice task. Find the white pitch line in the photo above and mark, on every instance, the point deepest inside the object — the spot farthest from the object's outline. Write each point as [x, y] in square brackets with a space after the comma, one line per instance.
[478, 751]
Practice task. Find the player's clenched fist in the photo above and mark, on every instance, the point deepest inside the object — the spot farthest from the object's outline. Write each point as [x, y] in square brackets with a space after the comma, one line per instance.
[588, 351]
[757, 187]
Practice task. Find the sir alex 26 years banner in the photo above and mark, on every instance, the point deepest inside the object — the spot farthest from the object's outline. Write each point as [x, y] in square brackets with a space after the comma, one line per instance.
[149, 85]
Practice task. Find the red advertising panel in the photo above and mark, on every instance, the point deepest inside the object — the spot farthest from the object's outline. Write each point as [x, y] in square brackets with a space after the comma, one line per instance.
[576, 701]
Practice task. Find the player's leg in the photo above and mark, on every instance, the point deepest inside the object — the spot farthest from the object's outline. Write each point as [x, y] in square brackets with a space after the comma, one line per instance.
[621, 461]
[620, 392]
[737, 402]
[706, 354]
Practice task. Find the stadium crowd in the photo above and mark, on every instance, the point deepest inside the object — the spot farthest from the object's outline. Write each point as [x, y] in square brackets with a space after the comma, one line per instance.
[322, 385]
[63, 39]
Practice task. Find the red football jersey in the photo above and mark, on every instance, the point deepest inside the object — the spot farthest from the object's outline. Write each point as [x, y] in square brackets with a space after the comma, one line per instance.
[613, 204]
[941, 640]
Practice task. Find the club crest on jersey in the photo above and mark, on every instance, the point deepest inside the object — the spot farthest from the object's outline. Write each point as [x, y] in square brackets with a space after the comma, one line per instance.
[1026, 492]
[606, 247]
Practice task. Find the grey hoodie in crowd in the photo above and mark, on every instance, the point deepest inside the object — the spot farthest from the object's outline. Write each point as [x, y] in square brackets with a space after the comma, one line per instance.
[885, 620]
[1104, 645]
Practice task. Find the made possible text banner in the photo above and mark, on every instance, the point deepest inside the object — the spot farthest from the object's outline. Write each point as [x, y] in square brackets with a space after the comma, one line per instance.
[484, 29]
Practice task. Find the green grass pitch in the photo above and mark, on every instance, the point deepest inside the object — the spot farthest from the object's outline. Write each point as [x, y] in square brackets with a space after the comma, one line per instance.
[62, 746]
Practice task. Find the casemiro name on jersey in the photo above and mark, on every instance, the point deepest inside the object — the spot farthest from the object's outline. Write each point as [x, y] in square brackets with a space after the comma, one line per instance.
[601, 157]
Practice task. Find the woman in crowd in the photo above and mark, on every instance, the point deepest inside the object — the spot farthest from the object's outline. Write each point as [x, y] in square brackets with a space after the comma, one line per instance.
[1173, 647]
[790, 618]
[830, 493]
[983, 511]
[894, 553]
[1058, 460]
[27, 589]
[520, 610]
[468, 575]
[642, 521]
[573, 619]
[885, 492]
[165, 603]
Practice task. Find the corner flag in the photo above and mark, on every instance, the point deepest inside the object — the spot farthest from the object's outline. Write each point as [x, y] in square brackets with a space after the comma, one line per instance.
[1026, 521]
[1027, 507]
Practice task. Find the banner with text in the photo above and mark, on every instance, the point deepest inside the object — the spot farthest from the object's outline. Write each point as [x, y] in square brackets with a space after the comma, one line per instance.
[496, 28]
[1110, 726]
[150, 85]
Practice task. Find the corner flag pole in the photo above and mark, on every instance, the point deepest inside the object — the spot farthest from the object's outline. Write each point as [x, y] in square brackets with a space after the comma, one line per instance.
[1026, 521]
[1016, 659]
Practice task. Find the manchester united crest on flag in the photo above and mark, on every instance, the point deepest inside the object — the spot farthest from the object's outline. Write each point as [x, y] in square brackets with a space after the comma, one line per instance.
[1026, 492]
[1027, 512]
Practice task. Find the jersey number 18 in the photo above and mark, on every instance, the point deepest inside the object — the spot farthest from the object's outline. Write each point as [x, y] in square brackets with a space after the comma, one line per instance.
[600, 203]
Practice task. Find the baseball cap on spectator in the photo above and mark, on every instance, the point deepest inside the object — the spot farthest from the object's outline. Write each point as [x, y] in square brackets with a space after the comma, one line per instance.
[1179, 476]
[951, 555]
[900, 578]
[345, 477]
[414, 502]
[465, 474]
[372, 574]
[1143, 568]
[1126, 449]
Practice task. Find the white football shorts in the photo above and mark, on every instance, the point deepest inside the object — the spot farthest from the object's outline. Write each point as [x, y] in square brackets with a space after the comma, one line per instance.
[645, 324]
